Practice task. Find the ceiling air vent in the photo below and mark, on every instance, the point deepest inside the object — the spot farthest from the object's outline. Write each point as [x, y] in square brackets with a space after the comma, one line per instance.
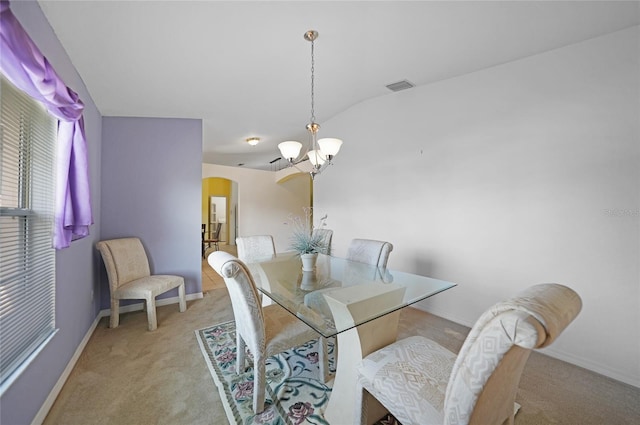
[400, 85]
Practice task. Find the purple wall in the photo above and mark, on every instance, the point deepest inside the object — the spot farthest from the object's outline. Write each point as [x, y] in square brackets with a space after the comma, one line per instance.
[152, 189]
[77, 289]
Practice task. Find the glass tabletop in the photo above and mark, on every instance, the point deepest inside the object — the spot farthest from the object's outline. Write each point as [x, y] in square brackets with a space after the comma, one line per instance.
[339, 294]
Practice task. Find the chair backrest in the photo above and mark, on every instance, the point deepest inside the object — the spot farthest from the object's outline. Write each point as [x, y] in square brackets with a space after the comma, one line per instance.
[485, 377]
[216, 233]
[325, 235]
[260, 246]
[369, 251]
[125, 260]
[245, 299]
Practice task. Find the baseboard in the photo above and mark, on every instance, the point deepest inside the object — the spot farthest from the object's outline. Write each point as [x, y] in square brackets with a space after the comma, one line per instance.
[592, 366]
[53, 394]
[556, 354]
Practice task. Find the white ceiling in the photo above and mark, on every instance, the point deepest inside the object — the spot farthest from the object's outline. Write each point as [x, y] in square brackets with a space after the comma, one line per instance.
[244, 67]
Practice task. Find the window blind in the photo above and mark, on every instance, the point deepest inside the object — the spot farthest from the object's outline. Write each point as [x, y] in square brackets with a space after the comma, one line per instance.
[27, 259]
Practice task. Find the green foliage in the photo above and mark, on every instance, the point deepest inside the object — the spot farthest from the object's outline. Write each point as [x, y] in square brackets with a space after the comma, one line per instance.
[303, 240]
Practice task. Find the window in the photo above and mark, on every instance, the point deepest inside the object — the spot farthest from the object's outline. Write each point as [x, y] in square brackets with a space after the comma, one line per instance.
[27, 259]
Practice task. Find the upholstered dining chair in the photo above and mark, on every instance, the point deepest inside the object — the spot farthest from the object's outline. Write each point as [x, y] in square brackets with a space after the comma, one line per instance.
[257, 246]
[365, 251]
[265, 331]
[130, 278]
[326, 235]
[420, 382]
[369, 251]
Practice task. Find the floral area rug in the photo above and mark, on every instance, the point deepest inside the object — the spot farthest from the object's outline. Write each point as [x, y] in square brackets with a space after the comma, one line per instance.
[294, 394]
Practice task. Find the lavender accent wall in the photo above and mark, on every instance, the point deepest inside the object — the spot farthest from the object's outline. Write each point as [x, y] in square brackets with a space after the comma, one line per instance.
[151, 189]
[77, 289]
[148, 176]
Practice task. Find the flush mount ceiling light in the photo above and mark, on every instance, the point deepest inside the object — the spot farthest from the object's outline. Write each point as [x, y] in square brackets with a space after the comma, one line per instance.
[253, 140]
[320, 152]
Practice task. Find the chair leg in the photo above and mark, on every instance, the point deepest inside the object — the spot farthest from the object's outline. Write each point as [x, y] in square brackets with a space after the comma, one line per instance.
[258, 382]
[114, 320]
[360, 406]
[183, 298]
[323, 360]
[240, 353]
[151, 313]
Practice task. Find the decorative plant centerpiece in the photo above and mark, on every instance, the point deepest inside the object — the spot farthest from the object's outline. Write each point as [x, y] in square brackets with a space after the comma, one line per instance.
[307, 243]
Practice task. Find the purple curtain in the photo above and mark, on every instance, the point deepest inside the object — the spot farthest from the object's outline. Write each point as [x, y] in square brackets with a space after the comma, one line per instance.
[22, 63]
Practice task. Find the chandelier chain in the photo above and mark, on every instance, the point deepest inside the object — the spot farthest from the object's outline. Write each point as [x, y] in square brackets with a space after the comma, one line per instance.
[313, 116]
[319, 158]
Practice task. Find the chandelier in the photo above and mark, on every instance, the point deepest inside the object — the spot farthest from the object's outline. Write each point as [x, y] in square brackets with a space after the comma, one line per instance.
[320, 151]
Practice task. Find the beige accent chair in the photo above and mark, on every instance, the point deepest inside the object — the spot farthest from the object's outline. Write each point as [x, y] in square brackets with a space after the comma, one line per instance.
[266, 331]
[369, 251]
[420, 382]
[259, 246]
[130, 278]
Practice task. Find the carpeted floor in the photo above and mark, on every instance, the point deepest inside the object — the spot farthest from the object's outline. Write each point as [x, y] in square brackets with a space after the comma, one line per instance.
[128, 375]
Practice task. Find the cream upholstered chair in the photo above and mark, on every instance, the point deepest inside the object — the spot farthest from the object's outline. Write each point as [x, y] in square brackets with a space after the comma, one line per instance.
[259, 246]
[369, 251]
[326, 235]
[266, 331]
[420, 382]
[130, 278]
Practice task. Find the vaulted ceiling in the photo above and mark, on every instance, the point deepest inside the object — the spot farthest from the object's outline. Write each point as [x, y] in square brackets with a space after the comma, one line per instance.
[244, 68]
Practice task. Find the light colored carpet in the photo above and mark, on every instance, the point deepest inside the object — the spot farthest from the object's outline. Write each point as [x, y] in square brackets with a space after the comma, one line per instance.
[128, 375]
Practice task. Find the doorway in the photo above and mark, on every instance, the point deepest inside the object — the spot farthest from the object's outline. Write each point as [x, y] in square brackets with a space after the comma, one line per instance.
[219, 207]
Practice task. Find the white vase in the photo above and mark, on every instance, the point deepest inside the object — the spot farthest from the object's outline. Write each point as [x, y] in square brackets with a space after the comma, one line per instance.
[309, 261]
[308, 281]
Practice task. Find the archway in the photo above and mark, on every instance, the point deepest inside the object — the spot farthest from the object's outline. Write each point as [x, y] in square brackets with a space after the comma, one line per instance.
[220, 205]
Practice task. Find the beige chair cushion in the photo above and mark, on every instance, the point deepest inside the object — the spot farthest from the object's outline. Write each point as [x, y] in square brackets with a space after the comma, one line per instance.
[410, 378]
[153, 285]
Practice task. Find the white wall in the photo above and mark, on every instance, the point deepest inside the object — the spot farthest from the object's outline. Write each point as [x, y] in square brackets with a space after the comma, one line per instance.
[263, 205]
[519, 174]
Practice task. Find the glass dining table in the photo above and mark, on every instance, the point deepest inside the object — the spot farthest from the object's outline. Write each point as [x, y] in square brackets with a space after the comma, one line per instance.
[358, 303]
